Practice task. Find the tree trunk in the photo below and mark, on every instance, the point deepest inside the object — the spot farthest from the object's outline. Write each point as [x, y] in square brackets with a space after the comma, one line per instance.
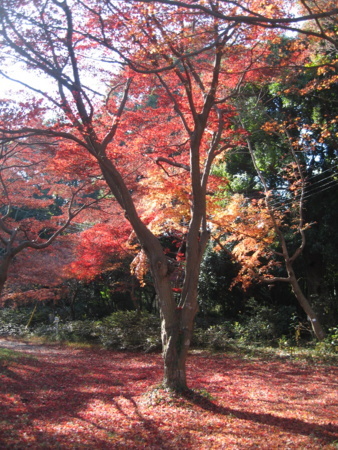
[304, 303]
[174, 355]
[2, 284]
[4, 267]
[176, 340]
[317, 288]
[175, 331]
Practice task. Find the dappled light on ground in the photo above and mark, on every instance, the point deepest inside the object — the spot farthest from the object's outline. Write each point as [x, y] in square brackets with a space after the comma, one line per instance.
[83, 398]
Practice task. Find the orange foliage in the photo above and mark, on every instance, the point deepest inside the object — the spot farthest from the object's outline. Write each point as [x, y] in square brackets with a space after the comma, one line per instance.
[250, 231]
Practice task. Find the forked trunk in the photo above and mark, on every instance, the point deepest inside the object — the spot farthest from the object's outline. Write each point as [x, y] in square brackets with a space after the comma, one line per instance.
[176, 329]
[177, 320]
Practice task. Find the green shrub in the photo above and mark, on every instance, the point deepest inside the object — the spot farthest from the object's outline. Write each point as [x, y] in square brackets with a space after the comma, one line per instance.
[264, 323]
[12, 329]
[130, 330]
[76, 331]
[216, 337]
[13, 321]
[330, 343]
[19, 316]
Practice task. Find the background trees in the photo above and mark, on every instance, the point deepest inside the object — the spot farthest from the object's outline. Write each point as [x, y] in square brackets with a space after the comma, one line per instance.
[35, 207]
[285, 160]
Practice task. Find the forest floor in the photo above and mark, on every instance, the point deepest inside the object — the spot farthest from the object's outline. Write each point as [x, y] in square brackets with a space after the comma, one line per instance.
[58, 397]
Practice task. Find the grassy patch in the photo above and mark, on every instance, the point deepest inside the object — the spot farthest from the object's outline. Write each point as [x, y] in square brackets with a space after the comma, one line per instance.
[265, 352]
[9, 355]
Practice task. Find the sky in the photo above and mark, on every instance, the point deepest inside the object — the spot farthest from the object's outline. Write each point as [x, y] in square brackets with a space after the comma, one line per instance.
[9, 88]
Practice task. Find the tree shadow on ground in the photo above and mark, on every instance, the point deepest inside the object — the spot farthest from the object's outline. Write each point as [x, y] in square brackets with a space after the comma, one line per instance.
[327, 432]
[58, 390]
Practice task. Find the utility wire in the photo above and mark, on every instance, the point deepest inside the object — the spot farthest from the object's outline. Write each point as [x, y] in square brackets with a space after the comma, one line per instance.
[326, 170]
[307, 191]
[288, 202]
[311, 189]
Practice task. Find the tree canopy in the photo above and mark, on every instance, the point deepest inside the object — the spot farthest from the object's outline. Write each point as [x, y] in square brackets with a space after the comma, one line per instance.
[147, 99]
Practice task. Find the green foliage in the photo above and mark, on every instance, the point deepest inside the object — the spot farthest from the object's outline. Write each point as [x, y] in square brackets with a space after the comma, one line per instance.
[13, 321]
[330, 343]
[17, 316]
[259, 324]
[75, 331]
[265, 323]
[130, 330]
[123, 330]
[215, 296]
[216, 337]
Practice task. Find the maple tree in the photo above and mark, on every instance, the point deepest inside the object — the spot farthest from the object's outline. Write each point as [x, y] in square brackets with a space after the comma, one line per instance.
[35, 207]
[268, 227]
[255, 226]
[153, 126]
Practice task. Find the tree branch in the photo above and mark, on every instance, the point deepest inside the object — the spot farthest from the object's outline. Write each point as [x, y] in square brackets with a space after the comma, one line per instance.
[110, 135]
[172, 163]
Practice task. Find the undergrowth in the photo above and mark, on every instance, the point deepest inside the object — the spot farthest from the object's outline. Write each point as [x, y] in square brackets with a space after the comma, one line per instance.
[135, 331]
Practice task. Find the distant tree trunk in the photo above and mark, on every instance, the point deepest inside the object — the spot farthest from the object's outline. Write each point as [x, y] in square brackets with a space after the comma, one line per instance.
[134, 299]
[4, 268]
[2, 283]
[304, 303]
[72, 301]
[317, 288]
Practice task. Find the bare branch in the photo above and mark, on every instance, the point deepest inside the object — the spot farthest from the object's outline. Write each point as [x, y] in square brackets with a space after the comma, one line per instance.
[171, 163]
[270, 280]
[177, 108]
[110, 135]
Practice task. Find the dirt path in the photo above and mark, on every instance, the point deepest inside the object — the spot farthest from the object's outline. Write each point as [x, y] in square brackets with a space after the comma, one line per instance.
[27, 347]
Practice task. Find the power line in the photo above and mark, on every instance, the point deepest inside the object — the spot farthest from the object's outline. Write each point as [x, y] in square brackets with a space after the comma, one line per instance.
[321, 173]
[309, 190]
[288, 202]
